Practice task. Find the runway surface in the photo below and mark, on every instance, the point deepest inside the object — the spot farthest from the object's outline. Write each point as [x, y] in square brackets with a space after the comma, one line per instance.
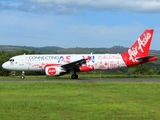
[81, 80]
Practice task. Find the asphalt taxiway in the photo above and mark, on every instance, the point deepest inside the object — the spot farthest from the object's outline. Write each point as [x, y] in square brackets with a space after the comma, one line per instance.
[81, 80]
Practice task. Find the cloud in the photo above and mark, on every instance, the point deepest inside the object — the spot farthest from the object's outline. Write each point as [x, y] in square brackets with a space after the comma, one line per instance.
[72, 6]
[82, 30]
[27, 29]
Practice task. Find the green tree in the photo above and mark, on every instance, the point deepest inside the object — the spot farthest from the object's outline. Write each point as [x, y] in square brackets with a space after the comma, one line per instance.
[142, 69]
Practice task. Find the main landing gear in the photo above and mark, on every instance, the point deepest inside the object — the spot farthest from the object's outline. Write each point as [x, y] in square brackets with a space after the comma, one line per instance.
[23, 75]
[74, 76]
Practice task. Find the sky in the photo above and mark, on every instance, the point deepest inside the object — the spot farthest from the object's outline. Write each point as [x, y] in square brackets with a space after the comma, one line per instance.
[78, 23]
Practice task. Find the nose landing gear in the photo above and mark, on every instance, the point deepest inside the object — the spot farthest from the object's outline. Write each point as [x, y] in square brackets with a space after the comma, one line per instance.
[23, 75]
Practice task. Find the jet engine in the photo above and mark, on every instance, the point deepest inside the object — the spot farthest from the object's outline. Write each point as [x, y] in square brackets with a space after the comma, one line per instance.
[54, 70]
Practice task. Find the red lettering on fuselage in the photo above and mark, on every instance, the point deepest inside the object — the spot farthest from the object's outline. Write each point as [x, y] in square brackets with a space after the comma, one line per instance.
[68, 59]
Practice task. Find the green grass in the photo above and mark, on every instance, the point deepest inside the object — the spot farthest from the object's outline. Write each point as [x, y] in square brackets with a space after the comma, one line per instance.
[79, 101]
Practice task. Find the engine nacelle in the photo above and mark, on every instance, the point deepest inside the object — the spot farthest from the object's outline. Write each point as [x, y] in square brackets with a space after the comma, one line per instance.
[53, 70]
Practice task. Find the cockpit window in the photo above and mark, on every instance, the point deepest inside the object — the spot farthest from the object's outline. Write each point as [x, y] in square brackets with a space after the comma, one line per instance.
[11, 60]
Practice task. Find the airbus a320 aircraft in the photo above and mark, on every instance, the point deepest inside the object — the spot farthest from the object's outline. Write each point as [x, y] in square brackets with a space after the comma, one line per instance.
[60, 64]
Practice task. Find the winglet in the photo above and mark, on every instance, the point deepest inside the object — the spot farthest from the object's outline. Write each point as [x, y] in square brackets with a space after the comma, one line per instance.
[139, 49]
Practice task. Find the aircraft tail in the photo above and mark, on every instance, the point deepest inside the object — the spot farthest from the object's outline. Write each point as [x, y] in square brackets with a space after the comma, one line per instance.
[138, 53]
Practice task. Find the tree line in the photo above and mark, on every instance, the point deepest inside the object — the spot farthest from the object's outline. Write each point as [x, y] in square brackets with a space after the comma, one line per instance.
[152, 68]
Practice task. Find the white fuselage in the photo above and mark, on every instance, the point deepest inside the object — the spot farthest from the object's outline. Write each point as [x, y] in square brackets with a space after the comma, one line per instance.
[39, 62]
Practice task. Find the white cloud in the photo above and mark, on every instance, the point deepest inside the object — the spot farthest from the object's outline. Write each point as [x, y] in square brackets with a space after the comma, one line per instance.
[32, 30]
[127, 5]
[73, 6]
[71, 31]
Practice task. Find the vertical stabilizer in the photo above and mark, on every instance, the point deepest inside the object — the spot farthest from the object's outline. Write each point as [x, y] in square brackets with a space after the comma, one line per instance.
[140, 49]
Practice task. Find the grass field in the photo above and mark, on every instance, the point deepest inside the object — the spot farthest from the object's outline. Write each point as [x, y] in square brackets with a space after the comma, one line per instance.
[57, 100]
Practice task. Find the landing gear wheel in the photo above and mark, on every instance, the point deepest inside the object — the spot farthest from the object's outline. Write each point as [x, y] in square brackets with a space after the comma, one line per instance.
[74, 76]
[23, 75]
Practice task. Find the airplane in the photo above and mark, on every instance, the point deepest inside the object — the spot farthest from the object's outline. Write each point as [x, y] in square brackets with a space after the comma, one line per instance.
[60, 64]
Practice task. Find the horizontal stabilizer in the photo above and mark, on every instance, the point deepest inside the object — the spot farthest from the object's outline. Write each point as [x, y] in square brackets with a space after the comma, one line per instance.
[146, 58]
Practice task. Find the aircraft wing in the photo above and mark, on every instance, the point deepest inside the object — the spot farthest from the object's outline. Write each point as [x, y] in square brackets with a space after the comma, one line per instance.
[74, 65]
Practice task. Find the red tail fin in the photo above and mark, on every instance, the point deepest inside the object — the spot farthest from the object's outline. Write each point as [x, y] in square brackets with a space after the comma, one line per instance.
[139, 49]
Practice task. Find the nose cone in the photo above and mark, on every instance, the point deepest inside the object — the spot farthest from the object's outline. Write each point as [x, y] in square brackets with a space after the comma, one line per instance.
[5, 65]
